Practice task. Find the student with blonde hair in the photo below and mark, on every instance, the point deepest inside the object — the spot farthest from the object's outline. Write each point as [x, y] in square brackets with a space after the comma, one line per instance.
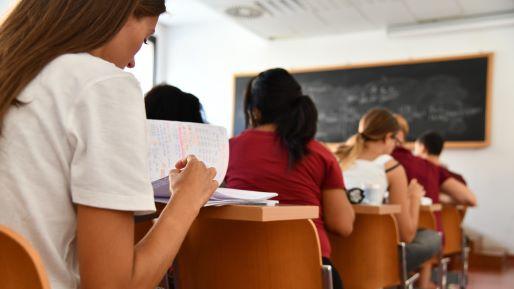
[366, 163]
[73, 151]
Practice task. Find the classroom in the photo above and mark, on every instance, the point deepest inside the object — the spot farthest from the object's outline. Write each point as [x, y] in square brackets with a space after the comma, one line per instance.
[256, 144]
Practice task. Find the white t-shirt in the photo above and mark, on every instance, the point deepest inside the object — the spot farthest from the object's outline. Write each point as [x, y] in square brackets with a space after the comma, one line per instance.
[364, 173]
[80, 138]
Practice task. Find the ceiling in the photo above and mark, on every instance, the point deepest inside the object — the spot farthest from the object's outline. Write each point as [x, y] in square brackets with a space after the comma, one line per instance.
[303, 18]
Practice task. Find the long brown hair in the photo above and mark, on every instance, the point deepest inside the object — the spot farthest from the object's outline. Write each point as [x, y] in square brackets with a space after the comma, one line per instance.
[374, 126]
[38, 31]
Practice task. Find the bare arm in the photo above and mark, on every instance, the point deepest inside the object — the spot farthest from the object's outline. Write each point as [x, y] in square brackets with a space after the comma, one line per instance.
[399, 194]
[338, 213]
[105, 238]
[459, 192]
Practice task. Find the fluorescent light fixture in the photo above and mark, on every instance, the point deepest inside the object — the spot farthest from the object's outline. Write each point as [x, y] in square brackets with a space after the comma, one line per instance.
[452, 25]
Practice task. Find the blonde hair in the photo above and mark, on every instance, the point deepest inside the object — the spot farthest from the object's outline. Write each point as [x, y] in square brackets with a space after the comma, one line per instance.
[36, 32]
[404, 125]
[374, 126]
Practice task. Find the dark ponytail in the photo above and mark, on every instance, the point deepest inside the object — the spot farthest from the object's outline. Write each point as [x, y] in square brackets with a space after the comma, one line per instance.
[275, 97]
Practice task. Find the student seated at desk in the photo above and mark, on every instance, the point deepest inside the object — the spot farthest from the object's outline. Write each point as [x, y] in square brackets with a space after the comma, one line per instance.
[430, 146]
[366, 160]
[433, 178]
[166, 102]
[73, 150]
[278, 153]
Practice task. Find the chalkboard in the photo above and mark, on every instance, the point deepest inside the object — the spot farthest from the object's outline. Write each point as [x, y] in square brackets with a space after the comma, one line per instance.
[449, 95]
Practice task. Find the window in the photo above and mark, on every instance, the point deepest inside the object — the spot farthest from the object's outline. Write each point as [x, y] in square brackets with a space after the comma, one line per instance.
[145, 67]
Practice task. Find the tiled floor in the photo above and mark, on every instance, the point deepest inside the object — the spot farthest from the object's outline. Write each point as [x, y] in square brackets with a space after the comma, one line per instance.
[492, 280]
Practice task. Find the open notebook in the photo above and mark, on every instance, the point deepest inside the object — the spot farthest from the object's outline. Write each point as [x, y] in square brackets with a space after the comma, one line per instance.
[171, 141]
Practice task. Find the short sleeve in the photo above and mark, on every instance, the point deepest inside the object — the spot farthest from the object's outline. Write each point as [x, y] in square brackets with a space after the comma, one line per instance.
[444, 174]
[333, 174]
[458, 177]
[107, 131]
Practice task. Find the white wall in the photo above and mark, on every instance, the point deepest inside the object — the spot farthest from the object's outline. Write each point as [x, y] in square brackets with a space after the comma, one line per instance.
[202, 59]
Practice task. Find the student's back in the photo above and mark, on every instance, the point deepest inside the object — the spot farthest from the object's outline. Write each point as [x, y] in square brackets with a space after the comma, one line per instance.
[277, 153]
[258, 161]
[429, 146]
[363, 173]
[430, 176]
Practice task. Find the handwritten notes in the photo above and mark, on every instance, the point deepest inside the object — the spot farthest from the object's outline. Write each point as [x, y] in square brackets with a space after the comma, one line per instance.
[171, 141]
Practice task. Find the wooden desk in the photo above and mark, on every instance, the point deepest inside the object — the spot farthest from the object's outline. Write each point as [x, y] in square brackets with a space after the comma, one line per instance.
[369, 257]
[431, 208]
[251, 247]
[377, 210]
[260, 213]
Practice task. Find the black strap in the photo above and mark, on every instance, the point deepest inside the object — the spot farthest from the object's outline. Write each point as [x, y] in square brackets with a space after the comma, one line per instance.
[393, 167]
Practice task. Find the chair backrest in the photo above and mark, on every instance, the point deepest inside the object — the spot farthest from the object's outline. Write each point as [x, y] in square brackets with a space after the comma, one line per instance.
[427, 220]
[230, 254]
[452, 219]
[369, 257]
[20, 265]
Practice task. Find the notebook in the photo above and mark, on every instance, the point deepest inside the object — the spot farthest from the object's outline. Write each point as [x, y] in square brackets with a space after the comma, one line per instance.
[171, 141]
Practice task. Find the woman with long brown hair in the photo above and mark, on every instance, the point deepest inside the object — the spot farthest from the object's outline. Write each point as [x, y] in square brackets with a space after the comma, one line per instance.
[73, 154]
[367, 165]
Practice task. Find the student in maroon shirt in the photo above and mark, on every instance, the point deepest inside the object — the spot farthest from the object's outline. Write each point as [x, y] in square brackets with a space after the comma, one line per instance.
[434, 178]
[430, 146]
[278, 153]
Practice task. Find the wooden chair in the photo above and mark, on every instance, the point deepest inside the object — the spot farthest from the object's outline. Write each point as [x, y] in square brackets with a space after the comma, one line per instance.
[455, 245]
[20, 265]
[372, 256]
[225, 249]
[427, 220]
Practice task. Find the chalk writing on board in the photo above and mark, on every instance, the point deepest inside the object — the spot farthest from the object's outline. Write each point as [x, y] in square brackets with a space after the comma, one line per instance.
[448, 96]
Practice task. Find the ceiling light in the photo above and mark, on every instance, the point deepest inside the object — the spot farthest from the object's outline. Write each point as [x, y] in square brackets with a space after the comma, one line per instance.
[248, 12]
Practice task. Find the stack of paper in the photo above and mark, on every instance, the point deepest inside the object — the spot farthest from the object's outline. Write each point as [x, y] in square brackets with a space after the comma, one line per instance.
[171, 141]
[225, 196]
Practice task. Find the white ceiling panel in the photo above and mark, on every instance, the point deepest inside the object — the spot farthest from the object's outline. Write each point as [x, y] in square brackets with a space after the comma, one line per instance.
[274, 19]
[383, 12]
[434, 9]
[346, 19]
[473, 7]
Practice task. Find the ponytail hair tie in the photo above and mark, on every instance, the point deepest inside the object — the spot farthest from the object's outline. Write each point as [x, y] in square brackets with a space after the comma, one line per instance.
[364, 136]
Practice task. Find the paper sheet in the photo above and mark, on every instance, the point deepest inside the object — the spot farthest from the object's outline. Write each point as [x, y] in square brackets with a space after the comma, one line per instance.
[171, 141]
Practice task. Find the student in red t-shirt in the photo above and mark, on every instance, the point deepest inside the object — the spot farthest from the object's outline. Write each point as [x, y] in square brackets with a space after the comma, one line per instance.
[434, 178]
[430, 146]
[278, 153]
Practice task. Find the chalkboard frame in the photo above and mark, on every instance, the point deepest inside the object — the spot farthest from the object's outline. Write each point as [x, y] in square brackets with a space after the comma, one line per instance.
[450, 144]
